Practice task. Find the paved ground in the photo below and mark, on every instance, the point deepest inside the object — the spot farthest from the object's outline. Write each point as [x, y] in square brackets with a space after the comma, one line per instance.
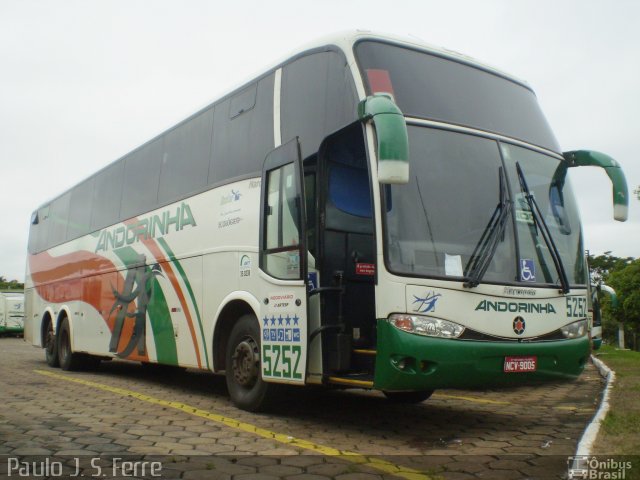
[186, 422]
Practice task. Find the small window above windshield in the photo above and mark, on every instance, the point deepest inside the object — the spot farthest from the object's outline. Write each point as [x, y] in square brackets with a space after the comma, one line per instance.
[437, 88]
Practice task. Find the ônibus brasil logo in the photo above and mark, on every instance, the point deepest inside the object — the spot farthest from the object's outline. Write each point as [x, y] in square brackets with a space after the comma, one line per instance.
[150, 227]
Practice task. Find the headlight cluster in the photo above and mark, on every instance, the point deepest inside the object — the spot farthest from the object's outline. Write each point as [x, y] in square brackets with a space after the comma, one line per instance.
[432, 327]
[575, 330]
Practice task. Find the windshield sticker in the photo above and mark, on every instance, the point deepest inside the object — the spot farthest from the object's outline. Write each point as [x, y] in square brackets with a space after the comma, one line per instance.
[427, 303]
[527, 270]
[453, 265]
[523, 209]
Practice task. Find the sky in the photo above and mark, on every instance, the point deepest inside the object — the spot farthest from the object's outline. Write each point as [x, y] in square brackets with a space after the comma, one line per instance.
[84, 82]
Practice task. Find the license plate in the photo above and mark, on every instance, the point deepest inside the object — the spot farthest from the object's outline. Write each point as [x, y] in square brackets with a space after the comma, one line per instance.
[520, 364]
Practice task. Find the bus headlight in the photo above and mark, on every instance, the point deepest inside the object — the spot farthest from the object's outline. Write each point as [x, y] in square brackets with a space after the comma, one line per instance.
[432, 327]
[575, 330]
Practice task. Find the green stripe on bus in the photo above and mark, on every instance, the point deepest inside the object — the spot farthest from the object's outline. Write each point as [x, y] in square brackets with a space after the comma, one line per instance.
[162, 327]
[158, 313]
[182, 273]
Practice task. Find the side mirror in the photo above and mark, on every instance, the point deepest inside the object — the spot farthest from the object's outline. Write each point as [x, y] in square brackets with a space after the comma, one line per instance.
[589, 158]
[612, 295]
[393, 140]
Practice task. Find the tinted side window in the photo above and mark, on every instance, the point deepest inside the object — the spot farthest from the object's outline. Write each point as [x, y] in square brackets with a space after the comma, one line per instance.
[58, 217]
[38, 232]
[107, 191]
[242, 136]
[141, 177]
[318, 98]
[80, 209]
[185, 162]
[243, 101]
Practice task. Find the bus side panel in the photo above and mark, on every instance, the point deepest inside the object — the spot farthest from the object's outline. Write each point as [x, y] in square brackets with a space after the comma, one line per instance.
[217, 285]
[29, 320]
[92, 332]
[181, 339]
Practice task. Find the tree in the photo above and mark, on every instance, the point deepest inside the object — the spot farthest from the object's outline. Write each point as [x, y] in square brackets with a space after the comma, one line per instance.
[10, 285]
[626, 282]
[601, 266]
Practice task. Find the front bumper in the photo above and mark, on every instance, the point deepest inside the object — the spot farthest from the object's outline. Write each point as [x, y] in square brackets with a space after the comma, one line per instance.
[431, 363]
[11, 329]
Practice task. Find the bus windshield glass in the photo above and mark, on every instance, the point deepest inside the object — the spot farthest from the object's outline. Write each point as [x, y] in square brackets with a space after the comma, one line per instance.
[457, 195]
[441, 89]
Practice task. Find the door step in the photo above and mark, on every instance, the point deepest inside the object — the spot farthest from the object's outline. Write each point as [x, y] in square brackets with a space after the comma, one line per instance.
[354, 380]
[364, 351]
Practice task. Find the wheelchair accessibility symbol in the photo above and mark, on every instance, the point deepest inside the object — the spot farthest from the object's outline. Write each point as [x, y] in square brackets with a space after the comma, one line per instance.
[527, 270]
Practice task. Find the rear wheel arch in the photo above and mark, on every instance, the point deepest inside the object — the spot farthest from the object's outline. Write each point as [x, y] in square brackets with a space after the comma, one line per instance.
[67, 358]
[49, 341]
[44, 327]
[62, 314]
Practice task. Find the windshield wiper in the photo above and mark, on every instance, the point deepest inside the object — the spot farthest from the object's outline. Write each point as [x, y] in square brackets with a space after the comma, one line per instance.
[493, 234]
[544, 229]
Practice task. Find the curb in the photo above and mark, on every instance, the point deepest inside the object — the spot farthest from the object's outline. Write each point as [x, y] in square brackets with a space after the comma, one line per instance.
[591, 432]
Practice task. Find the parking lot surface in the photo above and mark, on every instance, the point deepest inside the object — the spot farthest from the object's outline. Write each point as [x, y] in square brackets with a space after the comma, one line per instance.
[183, 425]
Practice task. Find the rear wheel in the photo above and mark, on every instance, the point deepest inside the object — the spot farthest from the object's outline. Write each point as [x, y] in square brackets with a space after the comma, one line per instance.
[51, 346]
[67, 358]
[246, 388]
[408, 397]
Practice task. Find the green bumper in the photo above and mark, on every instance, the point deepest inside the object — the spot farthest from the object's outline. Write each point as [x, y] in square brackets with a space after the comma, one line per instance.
[414, 362]
[597, 343]
[4, 329]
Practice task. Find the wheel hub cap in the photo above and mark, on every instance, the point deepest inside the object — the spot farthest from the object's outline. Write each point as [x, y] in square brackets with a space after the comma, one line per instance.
[245, 363]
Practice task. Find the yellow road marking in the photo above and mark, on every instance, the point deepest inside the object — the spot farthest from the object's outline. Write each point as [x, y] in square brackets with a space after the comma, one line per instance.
[574, 409]
[377, 463]
[471, 399]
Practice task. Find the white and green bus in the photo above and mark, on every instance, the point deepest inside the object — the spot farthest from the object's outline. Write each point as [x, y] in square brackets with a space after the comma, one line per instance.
[369, 213]
[11, 313]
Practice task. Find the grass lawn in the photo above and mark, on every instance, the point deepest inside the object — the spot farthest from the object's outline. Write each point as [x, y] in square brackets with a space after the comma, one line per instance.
[620, 431]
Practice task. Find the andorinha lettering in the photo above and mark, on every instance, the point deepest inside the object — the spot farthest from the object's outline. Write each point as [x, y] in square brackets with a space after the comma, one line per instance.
[150, 227]
[515, 307]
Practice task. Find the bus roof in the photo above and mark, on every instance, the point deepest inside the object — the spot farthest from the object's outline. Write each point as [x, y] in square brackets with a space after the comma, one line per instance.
[344, 41]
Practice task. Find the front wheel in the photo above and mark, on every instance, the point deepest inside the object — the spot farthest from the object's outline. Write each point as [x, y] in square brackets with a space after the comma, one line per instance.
[246, 388]
[408, 397]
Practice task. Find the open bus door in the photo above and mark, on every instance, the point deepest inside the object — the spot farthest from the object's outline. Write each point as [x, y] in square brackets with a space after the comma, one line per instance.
[283, 267]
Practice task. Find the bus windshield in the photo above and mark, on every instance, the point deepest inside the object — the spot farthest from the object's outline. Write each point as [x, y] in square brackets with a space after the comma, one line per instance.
[435, 223]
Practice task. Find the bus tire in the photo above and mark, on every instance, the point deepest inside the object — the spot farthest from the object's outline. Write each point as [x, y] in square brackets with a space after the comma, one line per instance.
[51, 347]
[408, 397]
[68, 360]
[244, 380]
